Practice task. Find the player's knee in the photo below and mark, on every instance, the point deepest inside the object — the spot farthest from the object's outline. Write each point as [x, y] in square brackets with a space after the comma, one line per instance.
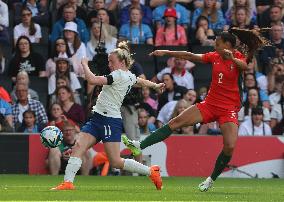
[54, 153]
[229, 149]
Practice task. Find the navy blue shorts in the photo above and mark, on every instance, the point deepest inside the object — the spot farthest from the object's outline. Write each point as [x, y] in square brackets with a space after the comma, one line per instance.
[106, 129]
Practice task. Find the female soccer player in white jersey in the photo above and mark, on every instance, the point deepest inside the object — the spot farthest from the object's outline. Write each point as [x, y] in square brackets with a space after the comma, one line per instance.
[106, 122]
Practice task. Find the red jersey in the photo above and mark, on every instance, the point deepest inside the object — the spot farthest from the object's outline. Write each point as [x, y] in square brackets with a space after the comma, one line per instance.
[224, 88]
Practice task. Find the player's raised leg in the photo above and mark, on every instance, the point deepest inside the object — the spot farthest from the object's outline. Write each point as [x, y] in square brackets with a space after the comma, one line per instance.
[84, 142]
[230, 135]
[113, 152]
[188, 117]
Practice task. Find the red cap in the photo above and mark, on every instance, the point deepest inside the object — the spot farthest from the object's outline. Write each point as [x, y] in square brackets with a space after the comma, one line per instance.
[170, 12]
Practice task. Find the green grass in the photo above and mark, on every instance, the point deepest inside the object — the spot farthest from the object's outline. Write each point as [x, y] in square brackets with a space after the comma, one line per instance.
[94, 188]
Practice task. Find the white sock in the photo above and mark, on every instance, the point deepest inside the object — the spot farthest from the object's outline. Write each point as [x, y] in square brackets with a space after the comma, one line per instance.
[135, 167]
[74, 164]
[137, 144]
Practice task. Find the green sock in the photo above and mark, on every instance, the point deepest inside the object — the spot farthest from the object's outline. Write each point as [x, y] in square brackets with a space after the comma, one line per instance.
[220, 165]
[157, 136]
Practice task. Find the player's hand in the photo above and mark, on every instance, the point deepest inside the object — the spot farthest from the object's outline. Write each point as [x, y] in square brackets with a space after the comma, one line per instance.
[160, 87]
[158, 53]
[84, 61]
[228, 55]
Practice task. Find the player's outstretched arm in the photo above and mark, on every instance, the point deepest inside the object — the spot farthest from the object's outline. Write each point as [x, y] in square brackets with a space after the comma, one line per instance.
[178, 54]
[146, 83]
[90, 77]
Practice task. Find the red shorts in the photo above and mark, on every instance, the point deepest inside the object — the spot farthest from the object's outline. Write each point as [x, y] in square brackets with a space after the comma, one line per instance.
[211, 113]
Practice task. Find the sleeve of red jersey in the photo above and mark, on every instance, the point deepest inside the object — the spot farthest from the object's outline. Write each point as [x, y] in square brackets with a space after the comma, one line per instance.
[208, 57]
[240, 56]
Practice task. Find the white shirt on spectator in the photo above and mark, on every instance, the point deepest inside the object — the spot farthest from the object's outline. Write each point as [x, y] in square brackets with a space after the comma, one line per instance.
[22, 110]
[20, 30]
[262, 82]
[262, 130]
[186, 80]
[242, 117]
[276, 112]
[274, 98]
[110, 46]
[166, 112]
[80, 53]
[74, 83]
[4, 14]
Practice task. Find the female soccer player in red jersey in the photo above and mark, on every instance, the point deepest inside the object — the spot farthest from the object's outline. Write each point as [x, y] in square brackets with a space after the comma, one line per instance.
[222, 102]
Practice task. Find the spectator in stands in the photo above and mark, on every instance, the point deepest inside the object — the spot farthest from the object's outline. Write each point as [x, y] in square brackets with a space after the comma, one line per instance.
[275, 51]
[182, 14]
[214, 15]
[80, 12]
[274, 97]
[170, 33]
[204, 35]
[39, 9]
[61, 50]
[26, 59]
[135, 31]
[145, 126]
[255, 126]
[75, 45]
[251, 102]
[147, 13]
[110, 5]
[58, 157]
[172, 90]
[107, 41]
[24, 103]
[180, 106]
[166, 111]
[27, 27]
[148, 99]
[247, 10]
[272, 16]
[4, 23]
[278, 110]
[23, 77]
[63, 69]
[262, 5]
[2, 60]
[104, 17]
[276, 70]
[95, 7]
[29, 124]
[61, 81]
[250, 82]
[6, 118]
[211, 128]
[200, 3]
[57, 117]
[260, 78]
[69, 15]
[181, 76]
[71, 109]
[241, 19]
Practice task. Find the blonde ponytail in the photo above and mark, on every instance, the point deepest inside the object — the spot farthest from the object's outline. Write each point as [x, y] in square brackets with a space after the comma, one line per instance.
[123, 53]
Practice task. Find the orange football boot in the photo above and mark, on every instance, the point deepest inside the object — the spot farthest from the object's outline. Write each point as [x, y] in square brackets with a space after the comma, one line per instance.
[64, 186]
[156, 177]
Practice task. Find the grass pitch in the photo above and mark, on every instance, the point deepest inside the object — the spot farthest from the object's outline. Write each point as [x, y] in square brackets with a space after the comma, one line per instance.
[117, 188]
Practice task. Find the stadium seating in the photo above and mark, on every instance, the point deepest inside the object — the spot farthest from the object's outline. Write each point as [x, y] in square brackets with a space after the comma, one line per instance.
[140, 54]
[202, 72]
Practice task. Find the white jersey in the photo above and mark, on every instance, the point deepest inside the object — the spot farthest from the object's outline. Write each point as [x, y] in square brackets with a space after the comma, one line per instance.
[111, 97]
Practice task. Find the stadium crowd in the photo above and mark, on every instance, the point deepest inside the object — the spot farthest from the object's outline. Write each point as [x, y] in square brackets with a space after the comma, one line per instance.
[42, 43]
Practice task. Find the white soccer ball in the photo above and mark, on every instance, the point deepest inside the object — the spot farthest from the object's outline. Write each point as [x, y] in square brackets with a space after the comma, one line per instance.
[51, 136]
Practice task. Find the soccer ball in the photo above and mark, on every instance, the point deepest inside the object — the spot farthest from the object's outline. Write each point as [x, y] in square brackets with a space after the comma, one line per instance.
[51, 136]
